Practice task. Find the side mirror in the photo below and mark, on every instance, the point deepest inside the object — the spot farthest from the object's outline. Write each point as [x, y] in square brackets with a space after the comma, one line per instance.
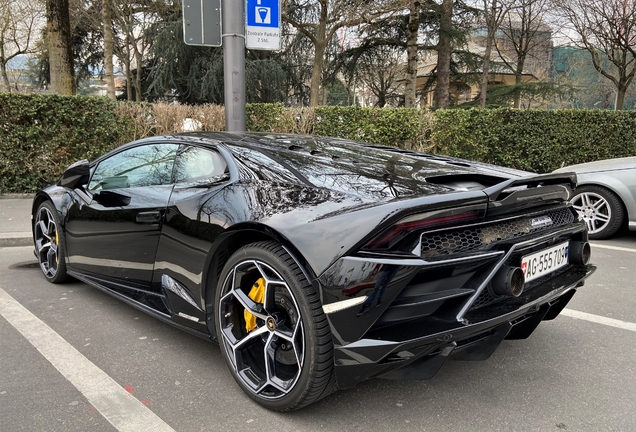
[111, 199]
[76, 175]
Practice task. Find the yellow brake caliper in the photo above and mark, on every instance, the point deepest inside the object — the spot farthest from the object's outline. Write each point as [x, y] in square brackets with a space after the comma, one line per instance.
[257, 293]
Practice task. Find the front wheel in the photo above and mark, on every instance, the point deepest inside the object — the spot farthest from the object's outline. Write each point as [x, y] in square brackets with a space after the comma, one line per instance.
[601, 210]
[49, 244]
[272, 331]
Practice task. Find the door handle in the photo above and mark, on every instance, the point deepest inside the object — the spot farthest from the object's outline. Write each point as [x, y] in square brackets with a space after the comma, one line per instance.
[150, 217]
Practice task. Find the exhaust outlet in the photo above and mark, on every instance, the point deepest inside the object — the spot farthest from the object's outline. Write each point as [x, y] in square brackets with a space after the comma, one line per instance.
[509, 281]
[579, 252]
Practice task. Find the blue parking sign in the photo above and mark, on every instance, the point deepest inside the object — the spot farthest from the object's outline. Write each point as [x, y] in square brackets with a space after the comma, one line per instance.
[262, 30]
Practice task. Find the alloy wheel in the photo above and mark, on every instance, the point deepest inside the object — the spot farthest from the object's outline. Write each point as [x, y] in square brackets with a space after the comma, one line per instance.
[262, 334]
[594, 210]
[47, 242]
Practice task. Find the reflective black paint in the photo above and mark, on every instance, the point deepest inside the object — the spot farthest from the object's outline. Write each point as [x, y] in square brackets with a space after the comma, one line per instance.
[324, 199]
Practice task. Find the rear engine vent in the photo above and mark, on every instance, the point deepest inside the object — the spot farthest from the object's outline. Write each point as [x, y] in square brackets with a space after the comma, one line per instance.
[456, 241]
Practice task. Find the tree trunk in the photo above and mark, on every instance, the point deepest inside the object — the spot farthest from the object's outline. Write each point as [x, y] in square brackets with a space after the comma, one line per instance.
[3, 71]
[620, 98]
[444, 49]
[412, 55]
[5, 78]
[3, 68]
[382, 91]
[320, 47]
[138, 76]
[60, 50]
[107, 17]
[491, 24]
[517, 99]
[129, 95]
[483, 88]
[316, 73]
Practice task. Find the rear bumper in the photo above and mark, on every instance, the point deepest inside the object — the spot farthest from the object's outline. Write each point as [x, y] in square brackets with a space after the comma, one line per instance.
[418, 349]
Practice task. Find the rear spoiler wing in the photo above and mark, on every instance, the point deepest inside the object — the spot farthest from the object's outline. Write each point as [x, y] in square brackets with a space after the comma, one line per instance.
[530, 192]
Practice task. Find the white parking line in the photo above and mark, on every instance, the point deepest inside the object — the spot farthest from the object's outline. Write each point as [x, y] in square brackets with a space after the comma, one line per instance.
[121, 409]
[599, 319]
[616, 248]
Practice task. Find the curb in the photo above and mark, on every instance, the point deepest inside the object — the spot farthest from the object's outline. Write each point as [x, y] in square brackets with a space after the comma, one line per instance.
[16, 241]
[17, 196]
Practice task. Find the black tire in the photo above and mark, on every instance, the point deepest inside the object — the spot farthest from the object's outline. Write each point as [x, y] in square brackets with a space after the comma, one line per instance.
[601, 210]
[49, 243]
[285, 361]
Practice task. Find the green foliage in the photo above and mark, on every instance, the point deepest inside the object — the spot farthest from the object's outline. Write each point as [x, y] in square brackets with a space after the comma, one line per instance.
[41, 135]
[264, 80]
[535, 140]
[189, 74]
[268, 118]
[397, 127]
[338, 94]
[194, 74]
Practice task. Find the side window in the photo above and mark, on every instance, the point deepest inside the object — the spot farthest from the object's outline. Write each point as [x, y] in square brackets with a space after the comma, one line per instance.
[146, 165]
[196, 164]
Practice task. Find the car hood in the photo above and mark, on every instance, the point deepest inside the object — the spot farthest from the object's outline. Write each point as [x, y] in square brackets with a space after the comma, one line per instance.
[602, 165]
[372, 174]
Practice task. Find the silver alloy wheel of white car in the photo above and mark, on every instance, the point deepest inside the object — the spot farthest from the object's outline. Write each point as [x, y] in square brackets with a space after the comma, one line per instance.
[600, 209]
[594, 210]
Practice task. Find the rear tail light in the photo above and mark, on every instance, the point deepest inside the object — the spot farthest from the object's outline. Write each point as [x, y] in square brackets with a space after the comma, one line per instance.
[418, 222]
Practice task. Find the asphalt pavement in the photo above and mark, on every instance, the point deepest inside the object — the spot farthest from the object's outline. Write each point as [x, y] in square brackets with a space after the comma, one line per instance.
[15, 220]
[73, 358]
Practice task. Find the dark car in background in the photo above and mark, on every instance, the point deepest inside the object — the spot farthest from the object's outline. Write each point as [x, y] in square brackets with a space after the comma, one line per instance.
[316, 263]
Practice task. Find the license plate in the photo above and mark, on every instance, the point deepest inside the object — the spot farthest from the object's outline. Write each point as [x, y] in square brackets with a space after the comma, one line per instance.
[546, 261]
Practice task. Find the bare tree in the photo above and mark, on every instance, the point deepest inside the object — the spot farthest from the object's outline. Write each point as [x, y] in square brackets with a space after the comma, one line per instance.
[494, 12]
[607, 30]
[131, 21]
[379, 72]
[18, 24]
[320, 20]
[524, 27]
[60, 47]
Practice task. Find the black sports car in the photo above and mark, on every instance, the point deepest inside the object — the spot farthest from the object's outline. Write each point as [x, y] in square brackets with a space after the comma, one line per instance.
[317, 262]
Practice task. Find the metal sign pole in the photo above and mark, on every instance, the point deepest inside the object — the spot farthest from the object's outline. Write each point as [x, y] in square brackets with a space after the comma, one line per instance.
[234, 64]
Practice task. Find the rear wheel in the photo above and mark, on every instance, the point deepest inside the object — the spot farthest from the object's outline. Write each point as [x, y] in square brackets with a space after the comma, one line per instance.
[49, 244]
[272, 331]
[601, 210]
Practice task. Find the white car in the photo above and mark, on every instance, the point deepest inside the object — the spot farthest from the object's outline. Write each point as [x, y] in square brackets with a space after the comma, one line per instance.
[606, 195]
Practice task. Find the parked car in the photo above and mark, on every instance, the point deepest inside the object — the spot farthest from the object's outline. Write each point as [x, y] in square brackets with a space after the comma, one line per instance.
[316, 263]
[606, 195]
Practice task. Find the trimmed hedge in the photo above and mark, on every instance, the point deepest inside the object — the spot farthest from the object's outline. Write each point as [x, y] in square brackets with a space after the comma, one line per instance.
[398, 127]
[535, 140]
[40, 135]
